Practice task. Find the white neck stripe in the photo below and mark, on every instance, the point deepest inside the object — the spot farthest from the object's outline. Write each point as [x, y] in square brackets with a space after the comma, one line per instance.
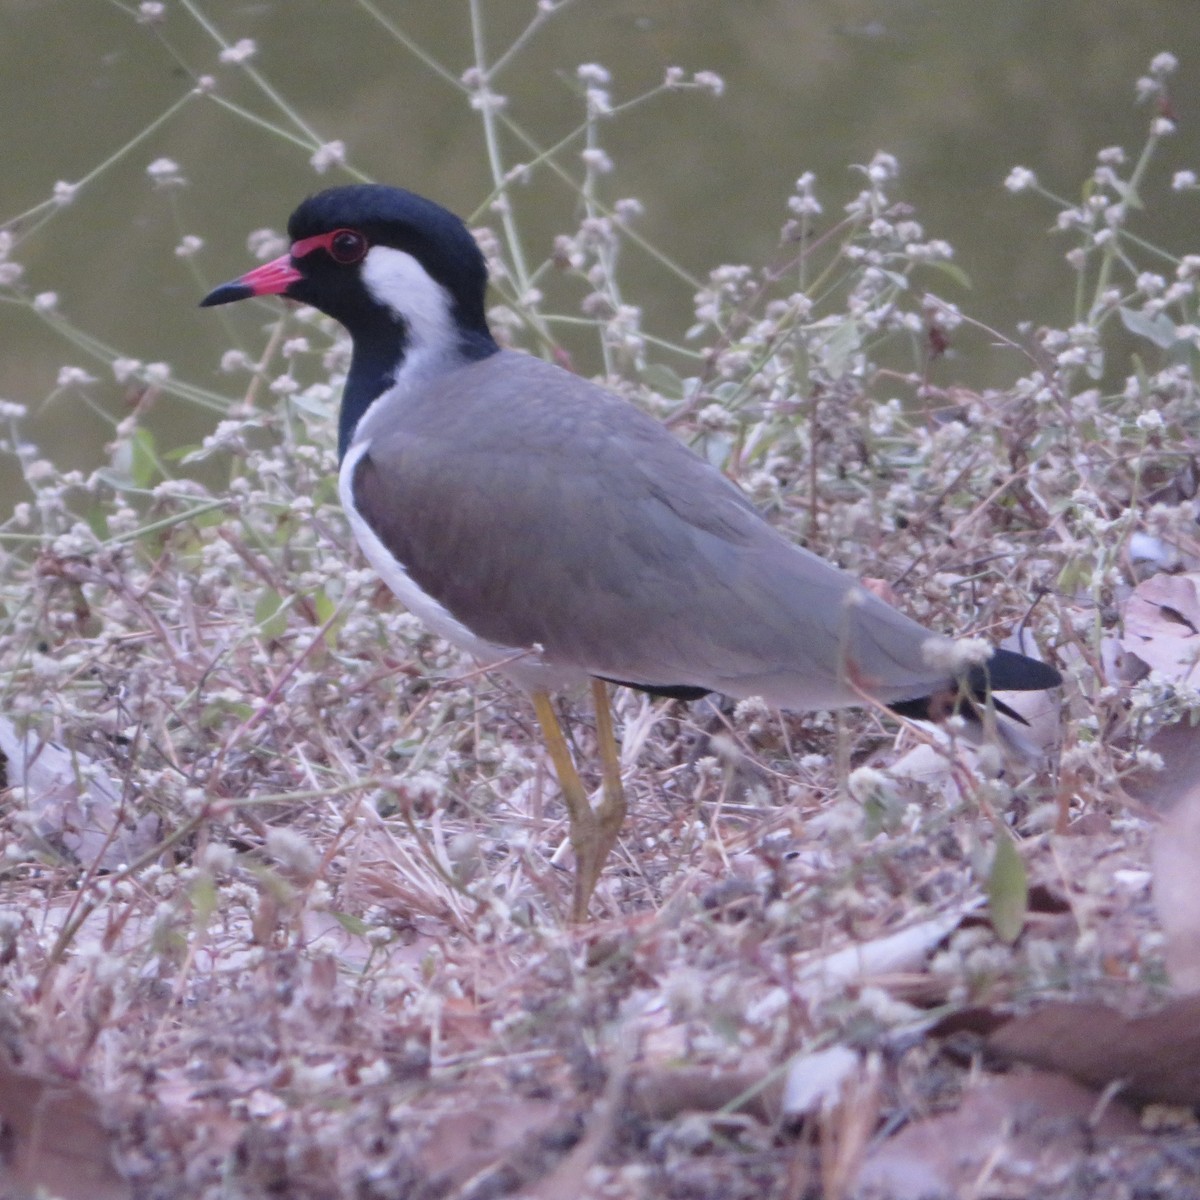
[399, 282]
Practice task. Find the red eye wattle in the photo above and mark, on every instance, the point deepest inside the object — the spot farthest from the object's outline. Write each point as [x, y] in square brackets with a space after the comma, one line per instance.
[344, 246]
[347, 246]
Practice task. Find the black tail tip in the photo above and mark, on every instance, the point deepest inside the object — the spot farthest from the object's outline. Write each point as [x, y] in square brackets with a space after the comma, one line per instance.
[1007, 671]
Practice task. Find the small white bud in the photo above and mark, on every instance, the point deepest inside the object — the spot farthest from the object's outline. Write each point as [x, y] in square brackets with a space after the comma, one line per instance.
[1163, 64]
[1020, 179]
[331, 154]
[241, 51]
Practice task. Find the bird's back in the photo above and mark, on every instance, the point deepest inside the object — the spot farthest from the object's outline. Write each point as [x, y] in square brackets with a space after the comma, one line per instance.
[542, 510]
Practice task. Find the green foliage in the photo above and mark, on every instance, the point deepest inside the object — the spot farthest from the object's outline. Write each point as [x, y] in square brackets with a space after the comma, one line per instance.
[1007, 888]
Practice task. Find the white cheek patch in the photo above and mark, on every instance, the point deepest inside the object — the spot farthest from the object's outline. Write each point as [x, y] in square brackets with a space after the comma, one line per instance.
[398, 282]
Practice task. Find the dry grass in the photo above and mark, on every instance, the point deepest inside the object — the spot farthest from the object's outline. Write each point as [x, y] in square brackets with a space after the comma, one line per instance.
[333, 961]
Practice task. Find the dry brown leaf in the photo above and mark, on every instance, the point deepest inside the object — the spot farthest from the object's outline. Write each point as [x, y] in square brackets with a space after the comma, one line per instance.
[487, 1136]
[1156, 1057]
[664, 1093]
[1028, 1124]
[55, 1142]
[1179, 748]
[1174, 857]
[1162, 625]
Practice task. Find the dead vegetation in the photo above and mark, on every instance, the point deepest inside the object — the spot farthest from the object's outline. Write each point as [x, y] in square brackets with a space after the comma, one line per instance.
[283, 877]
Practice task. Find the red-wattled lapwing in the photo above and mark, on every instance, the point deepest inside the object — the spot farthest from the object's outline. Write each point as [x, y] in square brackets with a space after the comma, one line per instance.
[555, 531]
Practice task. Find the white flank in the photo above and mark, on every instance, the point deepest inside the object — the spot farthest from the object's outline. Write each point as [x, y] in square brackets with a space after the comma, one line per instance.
[525, 666]
[419, 602]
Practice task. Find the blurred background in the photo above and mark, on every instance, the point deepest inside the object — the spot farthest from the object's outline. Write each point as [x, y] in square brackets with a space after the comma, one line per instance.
[958, 90]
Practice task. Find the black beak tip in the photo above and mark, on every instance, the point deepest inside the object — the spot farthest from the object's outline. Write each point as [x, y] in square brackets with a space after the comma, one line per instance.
[227, 293]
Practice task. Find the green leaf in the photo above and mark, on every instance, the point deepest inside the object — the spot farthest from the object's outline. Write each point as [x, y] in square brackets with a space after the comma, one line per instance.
[1008, 889]
[1128, 193]
[143, 465]
[326, 491]
[203, 895]
[325, 608]
[954, 271]
[663, 380]
[844, 342]
[209, 517]
[270, 615]
[97, 520]
[350, 923]
[1075, 574]
[716, 447]
[1159, 329]
[216, 714]
[313, 407]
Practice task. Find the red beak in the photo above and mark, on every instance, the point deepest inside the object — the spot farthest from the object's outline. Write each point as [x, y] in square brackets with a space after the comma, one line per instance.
[271, 279]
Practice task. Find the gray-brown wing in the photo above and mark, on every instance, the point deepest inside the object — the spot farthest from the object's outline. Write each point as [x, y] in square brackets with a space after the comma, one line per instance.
[540, 509]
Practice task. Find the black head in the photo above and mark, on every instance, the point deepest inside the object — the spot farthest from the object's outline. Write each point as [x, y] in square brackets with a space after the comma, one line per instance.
[368, 255]
[402, 274]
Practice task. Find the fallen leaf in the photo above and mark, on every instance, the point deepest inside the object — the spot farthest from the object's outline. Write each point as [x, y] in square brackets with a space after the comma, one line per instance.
[1174, 855]
[75, 801]
[1178, 746]
[817, 1078]
[54, 1141]
[494, 1134]
[663, 1094]
[1154, 1056]
[1018, 1127]
[1162, 625]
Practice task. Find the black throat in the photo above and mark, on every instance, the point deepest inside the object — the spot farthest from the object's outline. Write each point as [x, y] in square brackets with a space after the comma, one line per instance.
[377, 360]
[374, 364]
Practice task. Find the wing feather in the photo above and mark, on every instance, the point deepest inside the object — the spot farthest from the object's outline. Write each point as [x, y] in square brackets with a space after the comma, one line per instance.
[540, 509]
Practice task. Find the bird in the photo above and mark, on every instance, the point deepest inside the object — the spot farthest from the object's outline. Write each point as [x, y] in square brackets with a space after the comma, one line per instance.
[563, 536]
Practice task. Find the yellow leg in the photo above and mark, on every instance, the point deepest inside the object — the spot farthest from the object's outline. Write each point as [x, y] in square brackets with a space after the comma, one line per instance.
[611, 812]
[593, 834]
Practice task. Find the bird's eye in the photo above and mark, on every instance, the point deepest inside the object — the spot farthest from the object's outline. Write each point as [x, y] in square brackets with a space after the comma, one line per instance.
[347, 246]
